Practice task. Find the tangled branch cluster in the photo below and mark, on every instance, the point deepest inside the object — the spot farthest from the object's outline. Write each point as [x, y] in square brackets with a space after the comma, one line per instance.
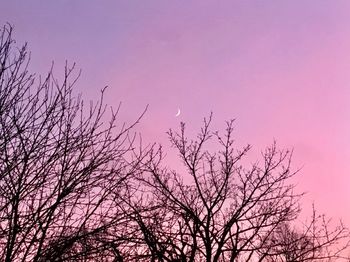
[75, 187]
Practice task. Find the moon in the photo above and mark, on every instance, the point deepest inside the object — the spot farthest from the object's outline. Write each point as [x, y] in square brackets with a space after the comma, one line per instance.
[178, 112]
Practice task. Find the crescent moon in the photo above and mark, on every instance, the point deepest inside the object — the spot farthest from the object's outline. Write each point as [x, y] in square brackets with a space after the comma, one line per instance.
[178, 112]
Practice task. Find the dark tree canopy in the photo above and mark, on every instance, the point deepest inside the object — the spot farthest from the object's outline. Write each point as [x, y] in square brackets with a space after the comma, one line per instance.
[61, 166]
[74, 186]
[222, 211]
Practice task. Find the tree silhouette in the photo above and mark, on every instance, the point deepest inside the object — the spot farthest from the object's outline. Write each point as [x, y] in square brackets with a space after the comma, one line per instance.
[219, 210]
[60, 165]
[75, 187]
[317, 240]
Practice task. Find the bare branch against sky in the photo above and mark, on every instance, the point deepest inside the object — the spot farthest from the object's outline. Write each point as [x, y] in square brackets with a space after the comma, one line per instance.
[83, 181]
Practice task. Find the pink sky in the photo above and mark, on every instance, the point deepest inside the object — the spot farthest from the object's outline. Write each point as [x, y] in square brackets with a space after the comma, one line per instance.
[281, 68]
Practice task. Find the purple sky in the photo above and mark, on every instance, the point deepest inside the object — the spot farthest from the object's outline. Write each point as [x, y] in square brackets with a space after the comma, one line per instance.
[281, 68]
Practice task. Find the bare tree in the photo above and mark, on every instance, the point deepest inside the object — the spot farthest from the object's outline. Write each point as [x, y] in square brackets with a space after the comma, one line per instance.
[315, 240]
[74, 187]
[61, 166]
[218, 210]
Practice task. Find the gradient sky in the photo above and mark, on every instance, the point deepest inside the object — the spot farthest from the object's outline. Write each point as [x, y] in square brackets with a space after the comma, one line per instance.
[280, 68]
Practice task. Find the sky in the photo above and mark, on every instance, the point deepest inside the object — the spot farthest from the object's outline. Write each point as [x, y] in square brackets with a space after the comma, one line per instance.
[280, 68]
